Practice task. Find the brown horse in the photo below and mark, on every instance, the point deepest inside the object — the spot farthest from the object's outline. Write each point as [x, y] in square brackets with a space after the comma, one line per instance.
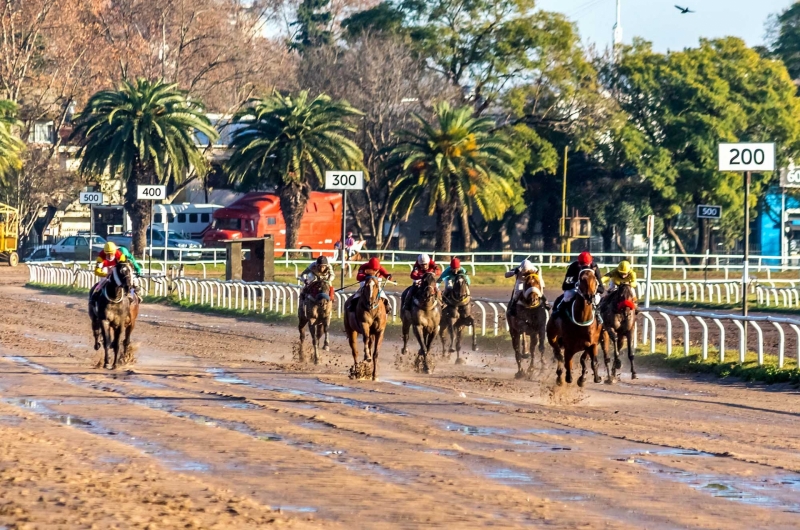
[368, 319]
[456, 315]
[577, 329]
[424, 317]
[315, 312]
[619, 318]
[113, 311]
[529, 319]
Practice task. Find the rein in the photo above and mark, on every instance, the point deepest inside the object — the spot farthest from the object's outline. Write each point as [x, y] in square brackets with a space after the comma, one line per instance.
[581, 324]
[118, 283]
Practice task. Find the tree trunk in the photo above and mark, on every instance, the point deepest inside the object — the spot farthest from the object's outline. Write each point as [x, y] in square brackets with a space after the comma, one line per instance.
[618, 239]
[702, 238]
[464, 211]
[138, 211]
[675, 237]
[445, 218]
[608, 238]
[294, 198]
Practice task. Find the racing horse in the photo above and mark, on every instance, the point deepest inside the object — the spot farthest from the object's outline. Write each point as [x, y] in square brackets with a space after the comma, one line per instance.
[367, 318]
[315, 312]
[424, 317]
[530, 319]
[113, 313]
[619, 318]
[456, 315]
[577, 329]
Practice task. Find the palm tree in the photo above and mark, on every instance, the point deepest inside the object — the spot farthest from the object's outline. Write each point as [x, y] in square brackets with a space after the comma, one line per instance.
[457, 162]
[11, 147]
[144, 133]
[287, 143]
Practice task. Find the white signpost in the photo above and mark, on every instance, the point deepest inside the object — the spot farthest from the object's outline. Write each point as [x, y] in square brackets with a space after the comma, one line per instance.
[746, 158]
[343, 181]
[91, 198]
[153, 192]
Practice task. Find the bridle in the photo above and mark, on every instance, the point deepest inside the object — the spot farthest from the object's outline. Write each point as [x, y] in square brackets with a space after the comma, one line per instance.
[115, 277]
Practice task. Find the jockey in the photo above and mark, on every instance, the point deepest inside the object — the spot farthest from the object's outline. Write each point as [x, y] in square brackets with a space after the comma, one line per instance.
[108, 258]
[422, 266]
[371, 268]
[136, 268]
[622, 274]
[570, 285]
[452, 271]
[348, 244]
[525, 269]
[320, 270]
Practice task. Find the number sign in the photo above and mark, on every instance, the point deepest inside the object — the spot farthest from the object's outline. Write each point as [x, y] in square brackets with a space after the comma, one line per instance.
[344, 180]
[704, 211]
[91, 197]
[146, 192]
[790, 177]
[746, 157]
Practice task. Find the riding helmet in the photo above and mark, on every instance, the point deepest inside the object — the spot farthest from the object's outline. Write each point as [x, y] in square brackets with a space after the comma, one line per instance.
[585, 258]
[423, 259]
[110, 248]
[374, 264]
[624, 267]
[322, 260]
[455, 263]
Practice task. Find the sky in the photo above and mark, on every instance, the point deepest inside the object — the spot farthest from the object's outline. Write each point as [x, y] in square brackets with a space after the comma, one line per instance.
[659, 22]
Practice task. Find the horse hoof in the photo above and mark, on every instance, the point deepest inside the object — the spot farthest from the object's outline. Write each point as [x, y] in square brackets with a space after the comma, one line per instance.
[617, 364]
[108, 366]
[460, 361]
[519, 375]
[404, 351]
[581, 381]
[598, 379]
[326, 348]
[475, 348]
[634, 376]
[611, 381]
[560, 381]
[451, 350]
[96, 346]
[569, 379]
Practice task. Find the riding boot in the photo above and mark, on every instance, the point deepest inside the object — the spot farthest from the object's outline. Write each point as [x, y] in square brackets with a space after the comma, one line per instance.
[545, 303]
[512, 307]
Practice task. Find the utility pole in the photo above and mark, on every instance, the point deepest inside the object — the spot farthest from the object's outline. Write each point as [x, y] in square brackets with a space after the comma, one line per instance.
[618, 32]
[562, 230]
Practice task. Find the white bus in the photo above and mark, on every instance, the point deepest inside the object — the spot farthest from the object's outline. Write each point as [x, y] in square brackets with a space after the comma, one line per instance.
[189, 220]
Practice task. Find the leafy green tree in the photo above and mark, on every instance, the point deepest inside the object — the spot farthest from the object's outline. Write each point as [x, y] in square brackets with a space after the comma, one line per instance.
[313, 20]
[11, 147]
[786, 39]
[287, 143]
[455, 161]
[143, 133]
[683, 104]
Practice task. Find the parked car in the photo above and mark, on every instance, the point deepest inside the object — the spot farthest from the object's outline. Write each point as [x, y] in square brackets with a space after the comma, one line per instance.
[77, 247]
[40, 254]
[259, 214]
[175, 242]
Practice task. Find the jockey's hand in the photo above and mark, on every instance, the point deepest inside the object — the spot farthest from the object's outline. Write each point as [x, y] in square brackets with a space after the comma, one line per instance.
[389, 277]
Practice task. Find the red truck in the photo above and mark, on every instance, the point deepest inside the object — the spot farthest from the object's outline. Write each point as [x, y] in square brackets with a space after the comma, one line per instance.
[259, 214]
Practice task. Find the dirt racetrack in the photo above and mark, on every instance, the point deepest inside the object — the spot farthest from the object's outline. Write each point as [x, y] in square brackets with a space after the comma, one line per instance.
[217, 426]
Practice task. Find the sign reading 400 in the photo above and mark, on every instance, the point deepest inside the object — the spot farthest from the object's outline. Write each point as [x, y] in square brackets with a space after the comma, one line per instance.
[148, 192]
[344, 180]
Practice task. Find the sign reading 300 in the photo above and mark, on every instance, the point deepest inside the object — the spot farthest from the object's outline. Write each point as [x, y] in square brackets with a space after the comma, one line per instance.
[344, 180]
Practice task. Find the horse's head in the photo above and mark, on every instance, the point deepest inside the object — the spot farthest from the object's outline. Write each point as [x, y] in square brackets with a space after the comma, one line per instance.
[531, 291]
[428, 284]
[587, 284]
[626, 300]
[459, 288]
[122, 276]
[371, 291]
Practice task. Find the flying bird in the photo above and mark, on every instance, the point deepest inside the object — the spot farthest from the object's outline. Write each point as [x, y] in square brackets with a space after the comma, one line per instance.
[684, 10]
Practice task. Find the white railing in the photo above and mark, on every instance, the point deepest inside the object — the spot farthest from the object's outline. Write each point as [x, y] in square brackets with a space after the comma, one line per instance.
[720, 292]
[740, 322]
[778, 296]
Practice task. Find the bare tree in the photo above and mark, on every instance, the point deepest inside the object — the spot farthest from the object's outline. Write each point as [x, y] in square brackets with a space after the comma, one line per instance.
[380, 76]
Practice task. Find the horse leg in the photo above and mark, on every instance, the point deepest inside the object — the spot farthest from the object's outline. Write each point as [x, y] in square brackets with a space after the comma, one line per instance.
[378, 341]
[419, 332]
[118, 338]
[406, 328]
[631, 354]
[582, 378]
[326, 324]
[106, 330]
[515, 343]
[457, 332]
[301, 328]
[558, 355]
[595, 364]
[606, 358]
[96, 331]
[617, 347]
[568, 364]
[316, 332]
[352, 338]
[532, 341]
[367, 346]
[613, 338]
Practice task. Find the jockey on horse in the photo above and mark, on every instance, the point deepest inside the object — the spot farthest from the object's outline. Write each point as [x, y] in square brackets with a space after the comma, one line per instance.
[623, 274]
[318, 272]
[424, 265]
[107, 259]
[525, 269]
[371, 268]
[571, 278]
[451, 273]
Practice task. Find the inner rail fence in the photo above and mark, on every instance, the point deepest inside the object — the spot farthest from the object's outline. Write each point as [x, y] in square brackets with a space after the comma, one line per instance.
[281, 298]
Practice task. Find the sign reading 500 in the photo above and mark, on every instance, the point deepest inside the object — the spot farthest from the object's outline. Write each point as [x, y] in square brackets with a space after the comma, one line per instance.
[344, 180]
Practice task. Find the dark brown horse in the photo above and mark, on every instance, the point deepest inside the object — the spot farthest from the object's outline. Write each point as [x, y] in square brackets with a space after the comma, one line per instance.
[315, 312]
[529, 319]
[113, 311]
[424, 317]
[456, 315]
[367, 317]
[619, 318]
[576, 329]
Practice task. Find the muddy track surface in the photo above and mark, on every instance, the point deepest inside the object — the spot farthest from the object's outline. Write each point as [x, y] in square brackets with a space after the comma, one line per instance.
[217, 425]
